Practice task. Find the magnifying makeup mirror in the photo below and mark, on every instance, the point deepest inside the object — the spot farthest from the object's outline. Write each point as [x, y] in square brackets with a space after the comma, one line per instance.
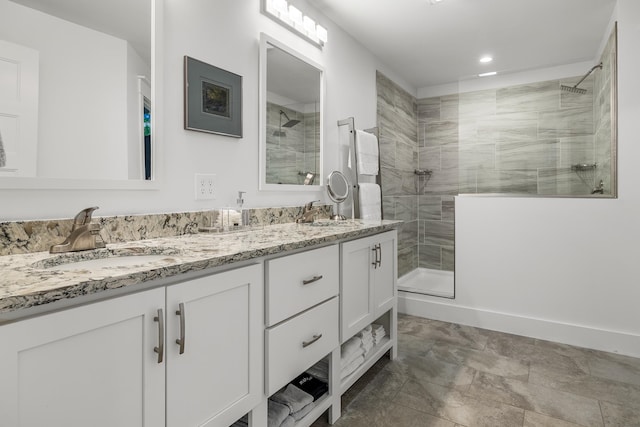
[338, 190]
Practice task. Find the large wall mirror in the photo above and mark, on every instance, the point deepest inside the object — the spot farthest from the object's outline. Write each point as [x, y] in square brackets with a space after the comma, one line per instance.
[79, 77]
[291, 117]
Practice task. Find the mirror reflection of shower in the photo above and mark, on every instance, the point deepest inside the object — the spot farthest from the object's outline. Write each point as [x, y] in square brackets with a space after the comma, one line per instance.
[293, 143]
[288, 124]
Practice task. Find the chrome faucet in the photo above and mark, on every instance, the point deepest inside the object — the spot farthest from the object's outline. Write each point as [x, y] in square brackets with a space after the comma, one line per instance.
[308, 213]
[84, 235]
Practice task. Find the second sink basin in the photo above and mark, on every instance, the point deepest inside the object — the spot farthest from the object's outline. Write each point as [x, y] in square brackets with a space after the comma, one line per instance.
[128, 257]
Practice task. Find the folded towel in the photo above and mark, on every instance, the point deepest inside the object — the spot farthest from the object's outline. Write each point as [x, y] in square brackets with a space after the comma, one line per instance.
[297, 416]
[347, 361]
[348, 370]
[367, 339]
[370, 201]
[349, 347]
[367, 152]
[276, 413]
[311, 385]
[288, 422]
[292, 397]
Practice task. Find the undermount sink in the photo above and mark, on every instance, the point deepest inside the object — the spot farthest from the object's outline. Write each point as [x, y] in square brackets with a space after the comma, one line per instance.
[94, 260]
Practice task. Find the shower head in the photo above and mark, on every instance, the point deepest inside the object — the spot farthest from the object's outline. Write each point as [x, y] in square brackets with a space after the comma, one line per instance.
[290, 123]
[576, 89]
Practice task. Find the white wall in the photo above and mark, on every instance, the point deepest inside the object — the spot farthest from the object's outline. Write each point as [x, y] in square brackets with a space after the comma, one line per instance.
[224, 33]
[558, 269]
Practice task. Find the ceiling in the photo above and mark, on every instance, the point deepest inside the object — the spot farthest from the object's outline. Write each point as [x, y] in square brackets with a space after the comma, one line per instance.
[432, 44]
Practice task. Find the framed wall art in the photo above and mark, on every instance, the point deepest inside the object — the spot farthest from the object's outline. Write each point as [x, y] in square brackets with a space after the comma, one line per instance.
[212, 99]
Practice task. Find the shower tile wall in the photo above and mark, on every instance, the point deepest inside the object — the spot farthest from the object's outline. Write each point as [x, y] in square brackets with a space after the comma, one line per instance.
[396, 116]
[438, 151]
[294, 152]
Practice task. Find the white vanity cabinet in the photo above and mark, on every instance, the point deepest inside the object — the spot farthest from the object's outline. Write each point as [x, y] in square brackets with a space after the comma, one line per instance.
[100, 364]
[368, 281]
[214, 348]
[92, 365]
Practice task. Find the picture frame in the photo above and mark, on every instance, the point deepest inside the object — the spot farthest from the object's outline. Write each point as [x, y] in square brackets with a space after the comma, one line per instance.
[212, 99]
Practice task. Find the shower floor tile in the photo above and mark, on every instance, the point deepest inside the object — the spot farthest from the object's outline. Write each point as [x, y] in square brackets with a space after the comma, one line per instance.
[450, 375]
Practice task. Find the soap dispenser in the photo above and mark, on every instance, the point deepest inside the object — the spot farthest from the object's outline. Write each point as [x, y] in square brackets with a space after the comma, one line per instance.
[244, 215]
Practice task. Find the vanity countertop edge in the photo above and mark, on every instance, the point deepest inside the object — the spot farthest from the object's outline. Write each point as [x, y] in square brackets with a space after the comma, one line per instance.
[26, 282]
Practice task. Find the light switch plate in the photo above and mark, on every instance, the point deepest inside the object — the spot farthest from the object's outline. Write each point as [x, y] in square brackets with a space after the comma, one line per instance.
[205, 186]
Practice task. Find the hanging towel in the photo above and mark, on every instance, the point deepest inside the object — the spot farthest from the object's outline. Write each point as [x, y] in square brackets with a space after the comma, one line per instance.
[367, 152]
[292, 397]
[370, 201]
[3, 156]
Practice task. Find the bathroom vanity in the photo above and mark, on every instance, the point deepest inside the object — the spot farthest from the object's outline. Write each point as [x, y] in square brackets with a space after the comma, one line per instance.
[201, 334]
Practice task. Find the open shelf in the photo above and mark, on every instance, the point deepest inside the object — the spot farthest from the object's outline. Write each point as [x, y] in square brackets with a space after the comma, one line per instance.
[374, 355]
[322, 405]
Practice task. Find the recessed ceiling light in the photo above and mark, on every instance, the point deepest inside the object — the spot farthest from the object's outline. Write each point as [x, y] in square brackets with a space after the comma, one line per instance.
[486, 59]
[492, 73]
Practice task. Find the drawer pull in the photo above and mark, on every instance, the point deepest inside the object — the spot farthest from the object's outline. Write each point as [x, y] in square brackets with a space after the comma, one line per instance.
[160, 348]
[180, 341]
[314, 279]
[315, 338]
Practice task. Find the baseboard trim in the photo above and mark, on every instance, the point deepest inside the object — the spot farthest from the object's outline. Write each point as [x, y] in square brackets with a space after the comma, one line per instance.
[578, 335]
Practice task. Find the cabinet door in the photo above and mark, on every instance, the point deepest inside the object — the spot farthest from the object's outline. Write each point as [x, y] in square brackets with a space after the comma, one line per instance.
[92, 365]
[356, 296]
[384, 274]
[218, 377]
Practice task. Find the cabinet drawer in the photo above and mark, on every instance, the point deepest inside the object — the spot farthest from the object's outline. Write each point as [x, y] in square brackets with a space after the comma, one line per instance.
[297, 282]
[293, 346]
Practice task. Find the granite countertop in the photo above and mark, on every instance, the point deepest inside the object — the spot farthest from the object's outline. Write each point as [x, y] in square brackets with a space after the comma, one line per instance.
[27, 280]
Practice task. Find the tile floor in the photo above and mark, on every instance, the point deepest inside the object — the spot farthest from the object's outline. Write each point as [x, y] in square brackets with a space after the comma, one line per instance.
[449, 375]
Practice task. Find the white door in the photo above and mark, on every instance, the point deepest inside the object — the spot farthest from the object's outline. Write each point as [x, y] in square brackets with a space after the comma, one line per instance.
[385, 274]
[19, 108]
[214, 372]
[93, 365]
[356, 296]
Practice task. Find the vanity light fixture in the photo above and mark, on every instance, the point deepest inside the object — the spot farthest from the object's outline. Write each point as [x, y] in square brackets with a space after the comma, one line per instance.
[491, 73]
[486, 59]
[293, 19]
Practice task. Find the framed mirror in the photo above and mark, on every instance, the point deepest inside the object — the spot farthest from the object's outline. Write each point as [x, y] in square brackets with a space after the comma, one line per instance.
[81, 79]
[291, 118]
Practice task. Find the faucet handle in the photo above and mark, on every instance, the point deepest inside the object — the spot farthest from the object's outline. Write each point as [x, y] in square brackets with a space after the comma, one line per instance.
[309, 205]
[83, 217]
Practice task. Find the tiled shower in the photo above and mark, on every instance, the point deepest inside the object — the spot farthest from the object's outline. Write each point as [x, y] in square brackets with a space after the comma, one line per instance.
[534, 139]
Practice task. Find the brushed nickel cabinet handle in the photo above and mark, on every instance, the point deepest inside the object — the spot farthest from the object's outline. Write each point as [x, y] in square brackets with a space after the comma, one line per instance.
[315, 338]
[379, 254]
[180, 341]
[160, 348]
[375, 262]
[314, 279]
